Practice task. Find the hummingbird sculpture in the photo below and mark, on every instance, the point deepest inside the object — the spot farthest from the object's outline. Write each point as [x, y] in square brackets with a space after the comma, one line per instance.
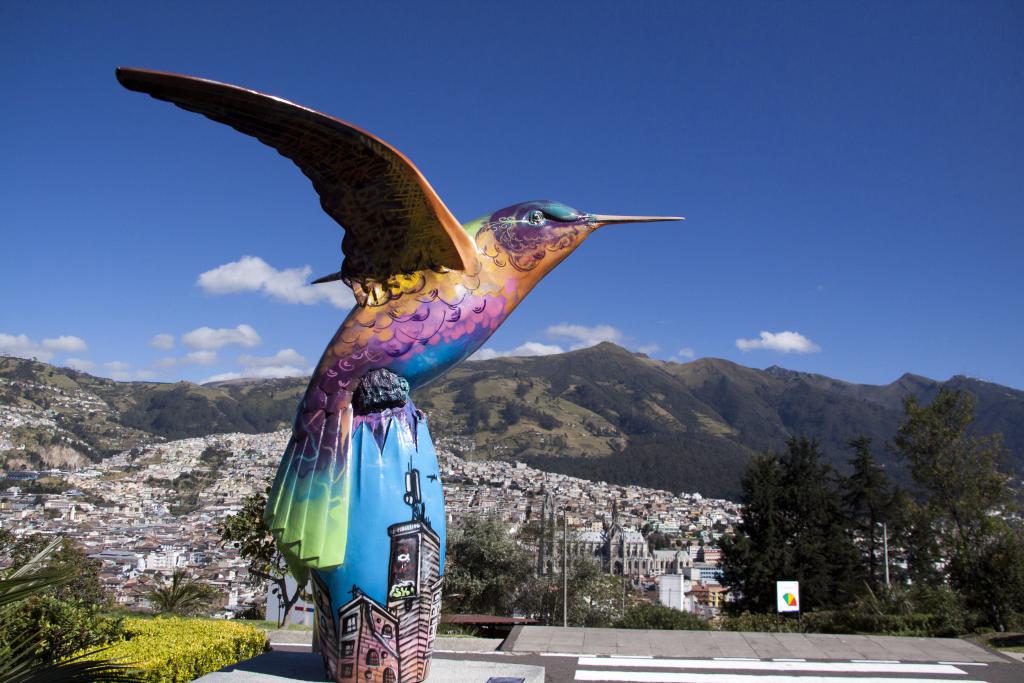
[429, 291]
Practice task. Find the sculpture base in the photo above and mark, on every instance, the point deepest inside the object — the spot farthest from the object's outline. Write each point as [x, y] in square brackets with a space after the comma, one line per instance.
[290, 667]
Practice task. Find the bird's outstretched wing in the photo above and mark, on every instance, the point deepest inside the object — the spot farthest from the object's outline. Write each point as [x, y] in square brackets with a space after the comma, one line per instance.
[394, 221]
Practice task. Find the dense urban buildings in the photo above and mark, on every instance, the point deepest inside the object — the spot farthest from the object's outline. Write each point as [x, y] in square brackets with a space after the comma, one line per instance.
[154, 508]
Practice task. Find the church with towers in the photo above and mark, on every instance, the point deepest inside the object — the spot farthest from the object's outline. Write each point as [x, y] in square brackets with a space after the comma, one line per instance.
[619, 550]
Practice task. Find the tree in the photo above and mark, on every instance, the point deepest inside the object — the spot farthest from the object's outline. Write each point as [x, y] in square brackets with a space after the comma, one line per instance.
[752, 560]
[34, 650]
[82, 583]
[792, 528]
[957, 474]
[65, 616]
[870, 501]
[595, 598]
[487, 571]
[966, 507]
[247, 532]
[647, 615]
[182, 595]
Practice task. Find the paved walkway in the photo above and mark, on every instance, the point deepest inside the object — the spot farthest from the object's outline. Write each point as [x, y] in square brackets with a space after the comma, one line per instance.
[294, 667]
[703, 644]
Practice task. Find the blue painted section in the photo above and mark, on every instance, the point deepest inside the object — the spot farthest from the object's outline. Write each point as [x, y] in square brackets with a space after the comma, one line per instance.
[430, 484]
[376, 502]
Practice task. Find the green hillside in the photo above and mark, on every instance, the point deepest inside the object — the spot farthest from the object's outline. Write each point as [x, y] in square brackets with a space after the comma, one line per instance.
[600, 413]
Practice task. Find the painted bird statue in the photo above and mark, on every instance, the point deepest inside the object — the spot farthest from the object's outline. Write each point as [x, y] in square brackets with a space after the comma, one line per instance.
[429, 291]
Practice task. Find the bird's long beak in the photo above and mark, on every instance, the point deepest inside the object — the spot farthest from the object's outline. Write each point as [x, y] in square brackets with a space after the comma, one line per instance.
[600, 219]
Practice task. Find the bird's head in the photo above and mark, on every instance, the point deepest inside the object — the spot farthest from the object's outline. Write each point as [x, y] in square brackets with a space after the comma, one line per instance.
[534, 237]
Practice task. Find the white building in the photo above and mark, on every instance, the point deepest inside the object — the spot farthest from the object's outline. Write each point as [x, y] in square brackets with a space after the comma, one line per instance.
[302, 612]
[673, 592]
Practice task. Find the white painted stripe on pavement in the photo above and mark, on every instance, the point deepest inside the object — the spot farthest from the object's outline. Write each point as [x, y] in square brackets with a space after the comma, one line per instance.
[310, 645]
[965, 663]
[737, 659]
[757, 665]
[674, 677]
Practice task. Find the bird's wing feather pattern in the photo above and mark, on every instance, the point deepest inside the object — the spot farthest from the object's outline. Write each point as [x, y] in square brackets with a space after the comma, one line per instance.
[394, 221]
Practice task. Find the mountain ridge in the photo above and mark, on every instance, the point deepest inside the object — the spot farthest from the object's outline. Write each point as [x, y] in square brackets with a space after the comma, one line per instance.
[601, 412]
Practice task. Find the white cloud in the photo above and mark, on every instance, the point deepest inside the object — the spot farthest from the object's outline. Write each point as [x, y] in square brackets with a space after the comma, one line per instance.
[530, 348]
[162, 341]
[122, 372]
[586, 336]
[222, 377]
[22, 347]
[132, 375]
[79, 364]
[66, 344]
[648, 348]
[685, 352]
[265, 372]
[276, 371]
[253, 274]
[200, 357]
[284, 363]
[282, 357]
[783, 342]
[211, 339]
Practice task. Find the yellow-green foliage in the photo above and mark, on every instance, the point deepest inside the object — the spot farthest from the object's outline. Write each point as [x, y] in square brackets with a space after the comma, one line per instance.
[173, 650]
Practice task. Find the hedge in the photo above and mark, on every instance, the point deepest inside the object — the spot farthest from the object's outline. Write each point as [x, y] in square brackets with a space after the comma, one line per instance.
[176, 650]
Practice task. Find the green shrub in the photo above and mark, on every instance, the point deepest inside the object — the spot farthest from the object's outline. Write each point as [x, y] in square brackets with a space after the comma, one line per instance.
[648, 615]
[757, 622]
[64, 627]
[175, 650]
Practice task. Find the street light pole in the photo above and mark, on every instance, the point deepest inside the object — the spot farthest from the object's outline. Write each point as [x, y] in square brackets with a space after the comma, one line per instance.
[885, 550]
[565, 568]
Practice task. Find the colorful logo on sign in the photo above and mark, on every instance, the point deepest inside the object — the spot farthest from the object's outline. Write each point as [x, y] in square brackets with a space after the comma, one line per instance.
[789, 599]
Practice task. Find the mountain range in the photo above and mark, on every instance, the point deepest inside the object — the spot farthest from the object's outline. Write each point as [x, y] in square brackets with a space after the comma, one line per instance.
[601, 413]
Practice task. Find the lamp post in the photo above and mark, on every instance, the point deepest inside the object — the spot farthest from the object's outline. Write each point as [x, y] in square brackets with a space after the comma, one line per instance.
[565, 568]
[885, 552]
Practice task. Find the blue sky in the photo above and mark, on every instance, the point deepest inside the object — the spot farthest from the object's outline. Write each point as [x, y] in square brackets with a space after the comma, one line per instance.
[852, 175]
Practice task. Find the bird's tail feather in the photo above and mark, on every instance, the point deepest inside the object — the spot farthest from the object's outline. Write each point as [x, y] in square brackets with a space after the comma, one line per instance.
[307, 510]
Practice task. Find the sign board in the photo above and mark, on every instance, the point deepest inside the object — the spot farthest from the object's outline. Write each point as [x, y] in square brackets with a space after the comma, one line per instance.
[787, 596]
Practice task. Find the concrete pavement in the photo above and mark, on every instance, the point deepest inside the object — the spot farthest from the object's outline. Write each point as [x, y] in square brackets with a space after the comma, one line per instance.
[296, 667]
[682, 644]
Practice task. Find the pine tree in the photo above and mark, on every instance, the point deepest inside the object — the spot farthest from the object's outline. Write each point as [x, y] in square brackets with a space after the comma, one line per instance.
[753, 559]
[792, 529]
[870, 501]
[821, 552]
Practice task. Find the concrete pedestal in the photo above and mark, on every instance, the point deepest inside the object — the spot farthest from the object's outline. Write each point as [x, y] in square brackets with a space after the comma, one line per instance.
[288, 667]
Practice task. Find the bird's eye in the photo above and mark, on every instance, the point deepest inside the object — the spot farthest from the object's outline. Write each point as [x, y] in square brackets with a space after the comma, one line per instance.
[535, 217]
